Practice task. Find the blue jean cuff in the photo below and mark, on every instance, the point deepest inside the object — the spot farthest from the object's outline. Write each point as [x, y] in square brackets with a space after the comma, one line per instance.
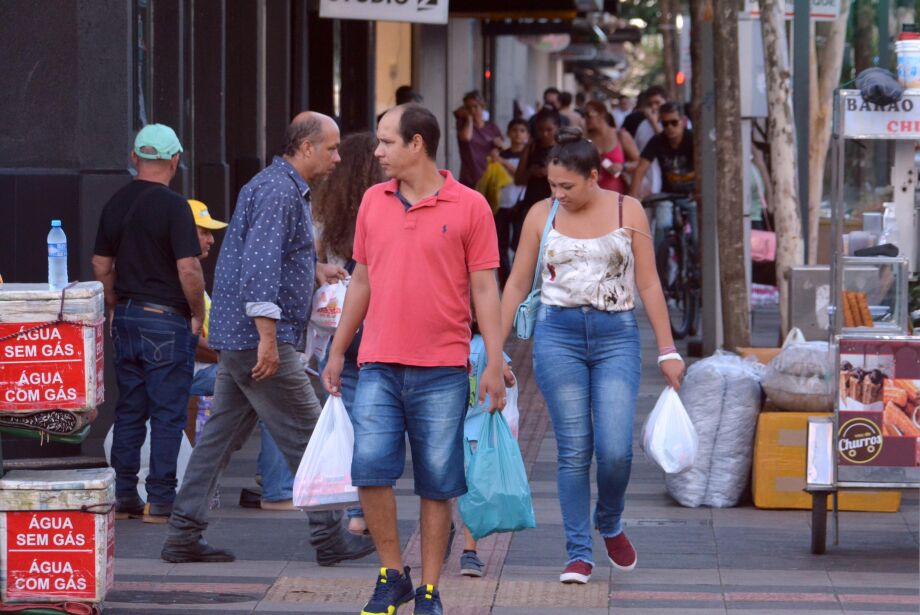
[612, 535]
[580, 559]
[373, 482]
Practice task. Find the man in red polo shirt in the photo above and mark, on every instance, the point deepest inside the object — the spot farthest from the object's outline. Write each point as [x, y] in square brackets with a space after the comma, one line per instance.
[423, 244]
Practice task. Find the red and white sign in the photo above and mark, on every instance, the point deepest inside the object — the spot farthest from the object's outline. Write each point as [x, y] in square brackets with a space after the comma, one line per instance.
[58, 366]
[51, 555]
[865, 120]
[820, 10]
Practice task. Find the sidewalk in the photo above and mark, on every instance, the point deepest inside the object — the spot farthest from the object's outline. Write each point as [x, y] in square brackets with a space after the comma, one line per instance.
[690, 560]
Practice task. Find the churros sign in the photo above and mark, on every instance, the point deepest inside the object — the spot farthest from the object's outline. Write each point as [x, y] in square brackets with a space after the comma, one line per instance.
[859, 441]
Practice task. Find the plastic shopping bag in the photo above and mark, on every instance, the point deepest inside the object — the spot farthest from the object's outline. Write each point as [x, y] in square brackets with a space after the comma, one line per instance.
[327, 305]
[498, 497]
[323, 480]
[185, 453]
[511, 412]
[669, 437]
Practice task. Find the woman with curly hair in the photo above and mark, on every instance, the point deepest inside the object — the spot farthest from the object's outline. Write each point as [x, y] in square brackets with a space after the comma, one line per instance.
[335, 212]
[336, 200]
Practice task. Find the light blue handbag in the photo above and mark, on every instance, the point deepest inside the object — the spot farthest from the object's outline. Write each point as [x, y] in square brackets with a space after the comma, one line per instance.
[525, 318]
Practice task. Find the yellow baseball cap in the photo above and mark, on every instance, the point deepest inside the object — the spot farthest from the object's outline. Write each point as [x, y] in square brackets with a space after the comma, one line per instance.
[203, 218]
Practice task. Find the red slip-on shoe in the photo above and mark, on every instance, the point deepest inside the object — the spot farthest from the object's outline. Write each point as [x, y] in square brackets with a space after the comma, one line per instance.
[578, 571]
[620, 552]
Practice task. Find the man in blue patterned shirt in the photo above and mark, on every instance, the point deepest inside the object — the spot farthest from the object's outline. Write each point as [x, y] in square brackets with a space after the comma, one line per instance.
[262, 294]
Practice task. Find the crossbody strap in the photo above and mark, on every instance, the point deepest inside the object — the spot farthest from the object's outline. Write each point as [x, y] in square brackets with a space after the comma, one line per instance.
[128, 216]
[549, 225]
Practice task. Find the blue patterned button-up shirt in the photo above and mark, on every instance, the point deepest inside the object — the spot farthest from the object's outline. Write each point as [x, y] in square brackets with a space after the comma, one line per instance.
[267, 261]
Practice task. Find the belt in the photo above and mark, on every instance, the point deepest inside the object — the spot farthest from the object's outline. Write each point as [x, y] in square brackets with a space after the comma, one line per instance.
[154, 307]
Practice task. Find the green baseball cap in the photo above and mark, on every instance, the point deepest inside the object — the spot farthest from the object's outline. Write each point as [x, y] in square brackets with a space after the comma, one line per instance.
[159, 137]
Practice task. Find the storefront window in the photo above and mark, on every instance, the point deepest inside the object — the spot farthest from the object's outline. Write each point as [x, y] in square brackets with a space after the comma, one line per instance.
[394, 61]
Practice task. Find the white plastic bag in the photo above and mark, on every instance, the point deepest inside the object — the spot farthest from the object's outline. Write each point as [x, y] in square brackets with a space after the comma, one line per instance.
[511, 412]
[185, 453]
[323, 480]
[327, 305]
[668, 437]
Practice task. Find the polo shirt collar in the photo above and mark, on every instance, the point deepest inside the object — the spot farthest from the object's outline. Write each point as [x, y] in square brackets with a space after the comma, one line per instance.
[449, 192]
[301, 183]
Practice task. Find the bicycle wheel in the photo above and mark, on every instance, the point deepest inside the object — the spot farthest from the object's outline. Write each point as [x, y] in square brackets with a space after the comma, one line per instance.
[672, 270]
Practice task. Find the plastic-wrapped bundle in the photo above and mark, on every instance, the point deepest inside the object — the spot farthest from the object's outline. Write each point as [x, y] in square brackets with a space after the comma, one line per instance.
[799, 378]
[722, 396]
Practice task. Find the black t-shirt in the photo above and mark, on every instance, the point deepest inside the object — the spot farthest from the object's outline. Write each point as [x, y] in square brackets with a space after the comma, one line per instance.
[677, 172]
[632, 122]
[160, 232]
[537, 187]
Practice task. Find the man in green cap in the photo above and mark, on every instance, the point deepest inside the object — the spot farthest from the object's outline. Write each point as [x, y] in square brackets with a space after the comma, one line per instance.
[146, 257]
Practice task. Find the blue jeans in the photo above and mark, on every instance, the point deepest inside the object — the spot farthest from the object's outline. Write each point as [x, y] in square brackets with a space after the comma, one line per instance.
[428, 403]
[277, 480]
[154, 357]
[587, 365]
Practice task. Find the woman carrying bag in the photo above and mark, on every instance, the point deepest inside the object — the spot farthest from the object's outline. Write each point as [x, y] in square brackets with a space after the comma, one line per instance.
[594, 248]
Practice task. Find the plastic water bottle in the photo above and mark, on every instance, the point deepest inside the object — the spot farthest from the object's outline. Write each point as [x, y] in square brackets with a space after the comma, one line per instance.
[890, 231]
[57, 256]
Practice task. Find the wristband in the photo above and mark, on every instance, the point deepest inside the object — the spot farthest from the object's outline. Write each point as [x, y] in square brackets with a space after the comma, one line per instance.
[671, 356]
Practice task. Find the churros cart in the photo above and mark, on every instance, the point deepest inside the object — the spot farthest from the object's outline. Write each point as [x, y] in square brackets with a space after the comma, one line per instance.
[872, 441]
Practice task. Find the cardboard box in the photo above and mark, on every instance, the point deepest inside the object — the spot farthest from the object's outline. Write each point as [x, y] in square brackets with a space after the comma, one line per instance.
[779, 468]
[763, 355]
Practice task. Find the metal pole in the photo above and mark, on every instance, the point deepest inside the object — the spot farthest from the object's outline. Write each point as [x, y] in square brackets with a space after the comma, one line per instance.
[801, 34]
[711, 300]
[882, 163]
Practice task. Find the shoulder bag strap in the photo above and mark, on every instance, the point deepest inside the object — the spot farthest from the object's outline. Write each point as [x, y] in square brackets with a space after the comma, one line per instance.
[620, 212]
[128, 216]
[549, 225]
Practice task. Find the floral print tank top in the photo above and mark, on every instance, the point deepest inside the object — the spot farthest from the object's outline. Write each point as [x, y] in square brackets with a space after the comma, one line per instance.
[597, 272]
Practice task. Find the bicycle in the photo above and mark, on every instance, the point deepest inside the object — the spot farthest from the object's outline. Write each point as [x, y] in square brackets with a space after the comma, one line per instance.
[677, 261]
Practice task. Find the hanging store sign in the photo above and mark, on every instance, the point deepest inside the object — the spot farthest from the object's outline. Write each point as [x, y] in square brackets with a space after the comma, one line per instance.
[418, 11]
[865, 120]
[821, 10]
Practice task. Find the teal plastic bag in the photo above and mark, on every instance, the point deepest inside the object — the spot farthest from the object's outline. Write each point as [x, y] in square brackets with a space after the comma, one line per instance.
[498, 494]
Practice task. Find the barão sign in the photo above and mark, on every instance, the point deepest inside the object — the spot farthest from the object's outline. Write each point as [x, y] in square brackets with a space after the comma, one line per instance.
[865, 120]
[418, 11]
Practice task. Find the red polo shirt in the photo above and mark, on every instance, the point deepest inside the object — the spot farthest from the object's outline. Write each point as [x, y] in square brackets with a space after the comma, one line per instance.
[418, 261]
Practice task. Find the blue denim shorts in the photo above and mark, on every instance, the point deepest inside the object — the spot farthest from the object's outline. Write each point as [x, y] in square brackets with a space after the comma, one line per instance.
[428, 403]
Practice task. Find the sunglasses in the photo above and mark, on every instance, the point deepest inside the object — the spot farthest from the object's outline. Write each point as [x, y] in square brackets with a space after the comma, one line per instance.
[673, 123]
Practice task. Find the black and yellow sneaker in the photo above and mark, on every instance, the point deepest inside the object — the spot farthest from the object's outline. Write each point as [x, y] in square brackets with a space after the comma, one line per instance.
[428, 601]
[393, 590]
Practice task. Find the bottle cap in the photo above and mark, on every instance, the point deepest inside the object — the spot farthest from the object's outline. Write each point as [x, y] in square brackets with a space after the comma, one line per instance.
[55, 223]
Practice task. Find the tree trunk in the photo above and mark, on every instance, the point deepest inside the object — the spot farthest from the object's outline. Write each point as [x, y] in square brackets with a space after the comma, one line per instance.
[829, 66]
[729, 179]
[781, 136]
[864, 36]
[667, 28]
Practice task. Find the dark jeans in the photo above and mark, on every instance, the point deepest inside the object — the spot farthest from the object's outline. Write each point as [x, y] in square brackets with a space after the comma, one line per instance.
[287, 406]
[154, 358]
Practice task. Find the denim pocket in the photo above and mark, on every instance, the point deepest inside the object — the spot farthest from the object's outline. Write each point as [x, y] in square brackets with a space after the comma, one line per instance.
[542, 312]
[157, 347]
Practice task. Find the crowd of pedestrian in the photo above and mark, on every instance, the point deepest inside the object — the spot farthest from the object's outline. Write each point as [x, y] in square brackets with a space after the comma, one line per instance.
[435, 273]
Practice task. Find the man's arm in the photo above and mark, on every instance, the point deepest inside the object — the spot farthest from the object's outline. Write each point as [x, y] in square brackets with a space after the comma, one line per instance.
[638, 176]
[464, 125]
[357, 300]
[192, 279]
[487, 303]
[204, 352]
[104, 271]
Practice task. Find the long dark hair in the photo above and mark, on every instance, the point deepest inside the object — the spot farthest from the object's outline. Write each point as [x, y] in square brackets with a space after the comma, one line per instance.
[337, 198]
